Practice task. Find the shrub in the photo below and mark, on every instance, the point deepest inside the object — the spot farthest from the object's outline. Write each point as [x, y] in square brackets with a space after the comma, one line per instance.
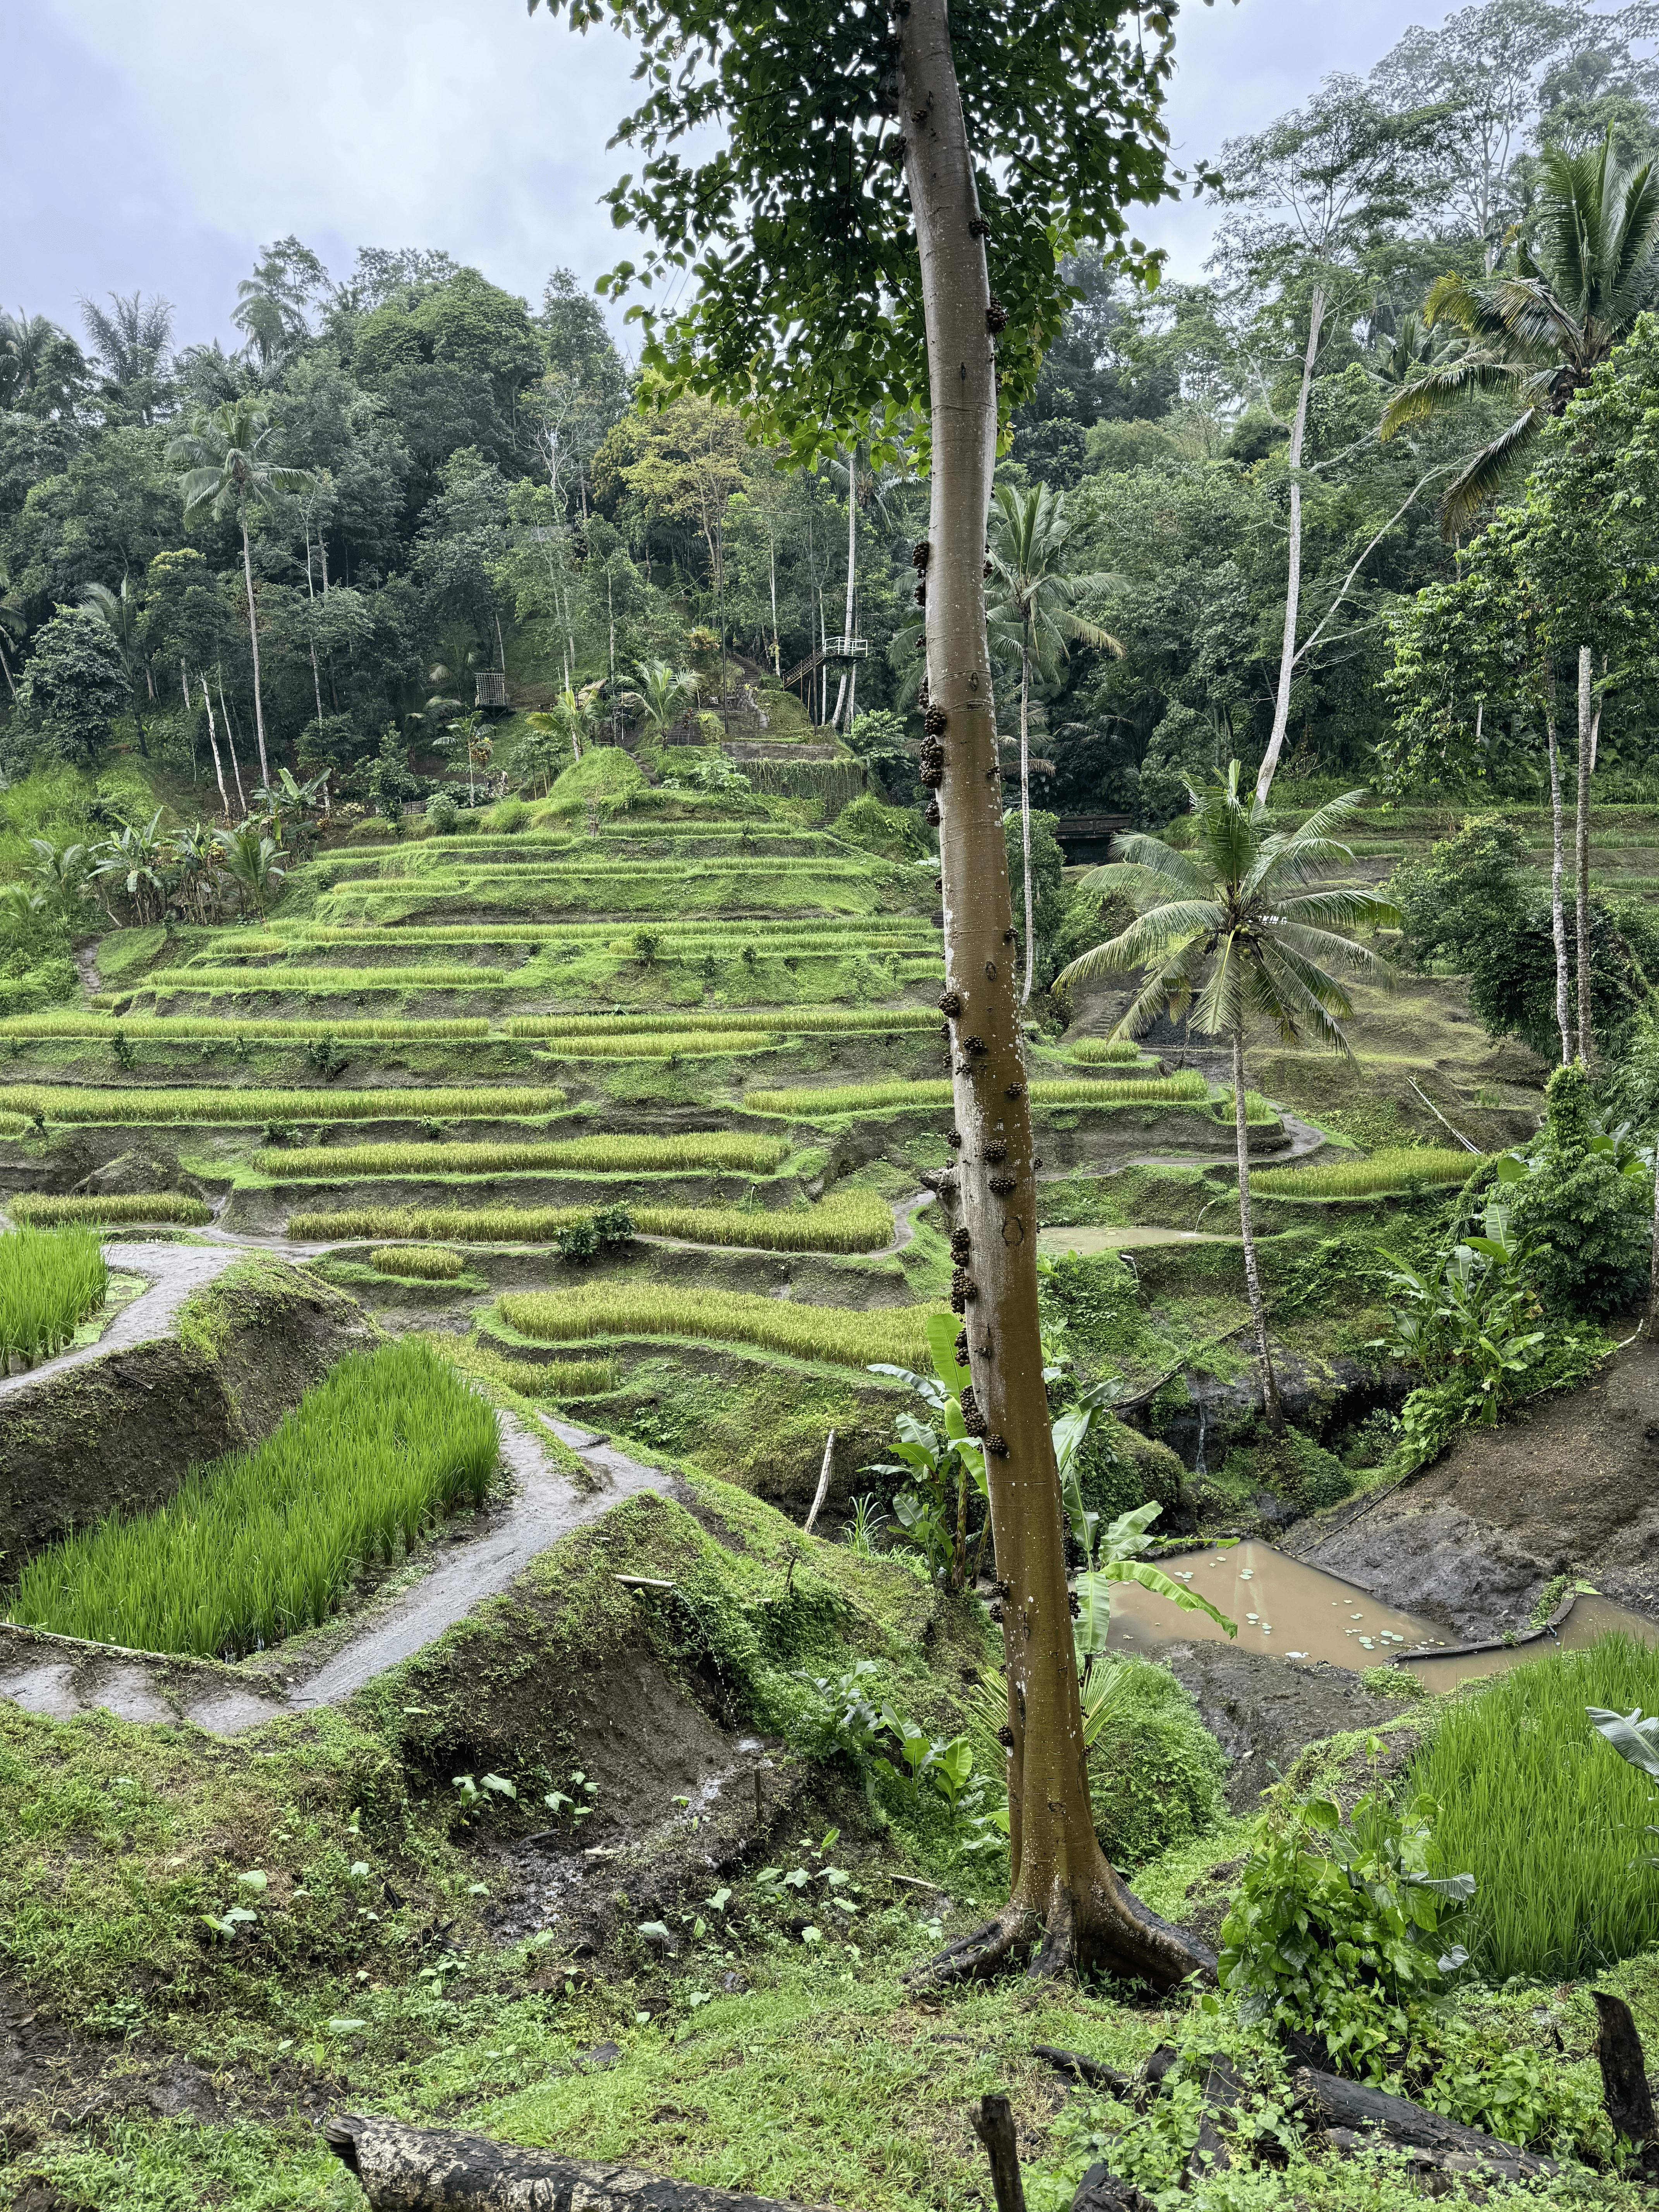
[43, 1211]
[260, 1545]
[50, 1280]
[1292, 1466]
[418, 1261]
[440, 813]
[840, 1334]
[1155, 1770]
[1546, 1817]
[1586, 1224]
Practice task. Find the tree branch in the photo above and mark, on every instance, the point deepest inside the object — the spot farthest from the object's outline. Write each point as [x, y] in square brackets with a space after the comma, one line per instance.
[1348, 581]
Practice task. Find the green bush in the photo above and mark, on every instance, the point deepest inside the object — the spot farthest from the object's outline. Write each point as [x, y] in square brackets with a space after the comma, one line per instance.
[440, 814]
[1292, 1466]
[1155, 1770]
[1587, 1226]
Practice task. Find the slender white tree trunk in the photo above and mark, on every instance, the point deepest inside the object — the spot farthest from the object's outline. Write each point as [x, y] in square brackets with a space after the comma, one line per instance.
[1581, 828]
[235, 765]
[852, 567]
[777, 653]
[1293, 579]
[1653, 1259]
[1025, 820]
[253, 641]
[1247, 1233]
[1558, 916]
[1063, 1890]
[213, 742]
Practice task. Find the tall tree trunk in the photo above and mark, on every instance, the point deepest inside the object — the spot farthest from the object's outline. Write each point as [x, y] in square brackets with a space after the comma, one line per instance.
[1581, 838]
[5, 666]
[852, 569]
[1293, 579]
[1653, 1258]
[213, 743]
[1063, 1892]
[316, 680]
[253, 640]
[235, 765]
[777, 653]
[1558, 917]
[1025, 822]
[1274, 1411]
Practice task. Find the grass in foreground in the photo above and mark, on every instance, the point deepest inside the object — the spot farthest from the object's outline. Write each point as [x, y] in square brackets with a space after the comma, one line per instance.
[50, 1280]
[841, 1335]
[42, 1211]
[45, 1103]
[846, 1221]
[1402, 1169]
[1187, 1089]
[1547, 1816]
[264, 1543]
[702, 1152]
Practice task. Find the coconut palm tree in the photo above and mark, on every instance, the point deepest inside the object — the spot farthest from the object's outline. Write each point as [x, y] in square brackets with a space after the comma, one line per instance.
[132, 861]
[1033, 621]
[1536, 330]
[663, 695]
[1232, 937]
[250, 860]
[226, 475]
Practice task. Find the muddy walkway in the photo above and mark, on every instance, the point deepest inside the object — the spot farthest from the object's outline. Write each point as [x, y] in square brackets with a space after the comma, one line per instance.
[61, 1677]
[173, 1270]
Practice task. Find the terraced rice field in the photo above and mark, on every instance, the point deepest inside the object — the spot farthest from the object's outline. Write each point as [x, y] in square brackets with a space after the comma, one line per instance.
[510, 1086]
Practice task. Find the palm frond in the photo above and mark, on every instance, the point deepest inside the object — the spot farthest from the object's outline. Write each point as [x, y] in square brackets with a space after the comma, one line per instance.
[1493, 467]
[1446, 387]
[1340, 907]
[1136, 849]
[1153, 936]
[1170, 990]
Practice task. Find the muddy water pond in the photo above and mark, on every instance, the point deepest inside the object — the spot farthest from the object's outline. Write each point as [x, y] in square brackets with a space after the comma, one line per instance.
[1295, 1611]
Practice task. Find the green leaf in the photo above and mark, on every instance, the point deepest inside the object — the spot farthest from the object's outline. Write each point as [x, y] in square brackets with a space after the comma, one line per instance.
[1153, 1578]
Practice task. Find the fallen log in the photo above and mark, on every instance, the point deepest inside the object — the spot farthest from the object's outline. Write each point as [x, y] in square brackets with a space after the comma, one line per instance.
[1625, 2090]
[993, 2124]
[404, 2169]
[1347, 2106]
[1094, 2071]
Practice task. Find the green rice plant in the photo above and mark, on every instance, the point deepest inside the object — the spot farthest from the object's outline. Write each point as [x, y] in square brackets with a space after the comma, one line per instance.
[557, 1379]
[804, 1020]
[704, 1152]
[423, 1263]
[50, 1280]
[201, 1029]
[13, 1125]
[846, 1221]
[1259, 1112]
[1547, 1816]
[258, 1545]
[322, 982]
[47, 1102]
[1185, 1089]
[678, 1044]
[1104, 1051]
[843, 1336]
[41, 1210]
[1402, 1168]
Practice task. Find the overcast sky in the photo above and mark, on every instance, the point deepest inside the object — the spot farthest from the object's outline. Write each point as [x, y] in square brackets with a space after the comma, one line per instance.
[158, 145]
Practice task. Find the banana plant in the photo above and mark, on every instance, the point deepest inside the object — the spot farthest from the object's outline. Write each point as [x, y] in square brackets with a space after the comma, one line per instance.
[1113, 1554]
[940, 1465]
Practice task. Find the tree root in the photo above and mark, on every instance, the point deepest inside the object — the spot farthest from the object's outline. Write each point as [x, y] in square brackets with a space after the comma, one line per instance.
[1114, 1934]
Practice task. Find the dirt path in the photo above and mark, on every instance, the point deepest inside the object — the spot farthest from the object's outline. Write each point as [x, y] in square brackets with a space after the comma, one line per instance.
[60, 1677]
[174, 1270]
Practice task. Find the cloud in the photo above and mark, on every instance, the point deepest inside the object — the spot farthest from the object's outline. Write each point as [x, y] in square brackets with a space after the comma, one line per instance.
[460, 123]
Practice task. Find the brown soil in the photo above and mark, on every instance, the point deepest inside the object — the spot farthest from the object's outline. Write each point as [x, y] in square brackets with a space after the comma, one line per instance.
[1572, 1486]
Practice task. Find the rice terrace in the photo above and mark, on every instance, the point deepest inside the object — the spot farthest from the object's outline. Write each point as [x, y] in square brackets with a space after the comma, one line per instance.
[828, 1248]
